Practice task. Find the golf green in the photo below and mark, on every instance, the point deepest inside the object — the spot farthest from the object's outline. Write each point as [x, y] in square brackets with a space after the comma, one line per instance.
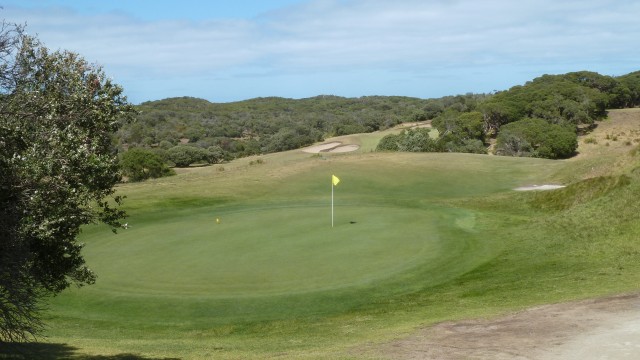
[229, 253]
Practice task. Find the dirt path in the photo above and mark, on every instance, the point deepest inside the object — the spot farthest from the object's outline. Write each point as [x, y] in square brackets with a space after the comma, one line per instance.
[607, 328]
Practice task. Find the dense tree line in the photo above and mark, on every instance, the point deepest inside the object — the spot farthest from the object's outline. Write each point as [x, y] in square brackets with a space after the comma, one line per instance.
[540, 119]
[184, 131]
[260, 125]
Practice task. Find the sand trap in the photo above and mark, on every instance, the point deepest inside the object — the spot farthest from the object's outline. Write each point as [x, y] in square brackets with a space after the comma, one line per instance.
[322, 147]
[334, 147]
[539, 187]
[344, 148]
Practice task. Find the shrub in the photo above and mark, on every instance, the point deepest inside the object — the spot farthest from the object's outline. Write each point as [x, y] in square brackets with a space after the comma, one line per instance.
[537, 138]
[140, 164]
[417, 140]
[183, 156]
[389, 143]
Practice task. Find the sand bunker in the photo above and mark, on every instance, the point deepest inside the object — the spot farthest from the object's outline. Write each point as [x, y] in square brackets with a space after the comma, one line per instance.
[322, 147]
[539, 187]
[344, 148]
[333, 147]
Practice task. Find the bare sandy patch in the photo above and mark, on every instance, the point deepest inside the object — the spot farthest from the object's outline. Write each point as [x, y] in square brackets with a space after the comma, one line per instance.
[321, 147]
[334, 147]
[607, 328]
[539, 187]
[344, 148]
[415, 125]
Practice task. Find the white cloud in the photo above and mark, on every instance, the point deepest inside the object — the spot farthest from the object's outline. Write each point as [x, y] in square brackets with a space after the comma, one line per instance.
[409, 37]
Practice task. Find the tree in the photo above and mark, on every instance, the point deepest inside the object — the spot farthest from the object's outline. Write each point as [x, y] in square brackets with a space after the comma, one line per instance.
[216, 154]
[141, 164]
[389, 142]
[632, 83]
[183, 156]
[537, 138]
[58, 166]
[461, 132]
[497, 112]
[417, 140]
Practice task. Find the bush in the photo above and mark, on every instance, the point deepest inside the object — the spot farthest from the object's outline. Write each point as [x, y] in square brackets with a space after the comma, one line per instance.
[140, 164]
[417, 140]
[389, 143]
[183, 156]
[473, 146]
[537, 138]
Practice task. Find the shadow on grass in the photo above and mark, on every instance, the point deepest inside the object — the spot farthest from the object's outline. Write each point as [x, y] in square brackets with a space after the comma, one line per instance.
[42, 351]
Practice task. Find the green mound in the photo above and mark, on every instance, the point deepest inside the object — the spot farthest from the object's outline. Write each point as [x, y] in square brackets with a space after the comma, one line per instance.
[579, 193]
[267, 251]
[230, 264]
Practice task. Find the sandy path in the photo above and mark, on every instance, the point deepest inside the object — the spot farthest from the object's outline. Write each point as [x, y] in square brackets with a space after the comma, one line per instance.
[606, 328]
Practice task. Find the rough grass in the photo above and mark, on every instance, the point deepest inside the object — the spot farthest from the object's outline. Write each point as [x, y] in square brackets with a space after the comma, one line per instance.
[448, 240]
[580, 192]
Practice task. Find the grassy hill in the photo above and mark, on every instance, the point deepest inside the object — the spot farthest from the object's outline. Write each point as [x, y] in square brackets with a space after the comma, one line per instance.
[541, 117]
[419, 238]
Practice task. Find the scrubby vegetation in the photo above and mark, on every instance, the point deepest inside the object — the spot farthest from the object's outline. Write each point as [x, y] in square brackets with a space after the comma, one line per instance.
[140, 164]
[537, 138]
[540, 118]
[262, 125]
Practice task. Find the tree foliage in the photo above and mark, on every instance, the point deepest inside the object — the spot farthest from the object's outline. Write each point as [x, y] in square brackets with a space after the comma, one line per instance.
[140, 164]
[537, 138]
[183, 156]
[465, 122]
[410, 140]
[461, 132]
[262, 125]
[539, 118]
[576, 98]
[630, 90]
[58, 166]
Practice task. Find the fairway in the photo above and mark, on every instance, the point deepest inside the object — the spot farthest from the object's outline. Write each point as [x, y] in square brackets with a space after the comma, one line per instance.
[245, 255]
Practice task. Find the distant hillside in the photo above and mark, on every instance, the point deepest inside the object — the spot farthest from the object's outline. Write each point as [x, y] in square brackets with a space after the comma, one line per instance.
[465, 122]
[262, 125]
[541, 118]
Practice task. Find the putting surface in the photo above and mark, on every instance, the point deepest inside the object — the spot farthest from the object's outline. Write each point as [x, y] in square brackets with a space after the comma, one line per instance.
[267, 251]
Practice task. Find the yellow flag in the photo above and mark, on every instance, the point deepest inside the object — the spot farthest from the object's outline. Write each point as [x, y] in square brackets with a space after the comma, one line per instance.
[334, 180]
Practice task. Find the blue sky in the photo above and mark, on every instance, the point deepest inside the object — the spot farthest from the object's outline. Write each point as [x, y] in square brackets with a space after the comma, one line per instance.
[234, 50]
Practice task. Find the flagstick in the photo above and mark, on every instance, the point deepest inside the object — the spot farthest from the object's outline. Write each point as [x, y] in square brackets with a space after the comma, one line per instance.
[332, 203]
[334, 182]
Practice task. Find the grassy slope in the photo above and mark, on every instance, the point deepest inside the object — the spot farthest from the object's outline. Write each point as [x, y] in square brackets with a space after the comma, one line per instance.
[505, 251]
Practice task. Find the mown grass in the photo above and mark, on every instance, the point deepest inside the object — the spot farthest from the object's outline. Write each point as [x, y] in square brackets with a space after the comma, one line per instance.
[436, 237]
